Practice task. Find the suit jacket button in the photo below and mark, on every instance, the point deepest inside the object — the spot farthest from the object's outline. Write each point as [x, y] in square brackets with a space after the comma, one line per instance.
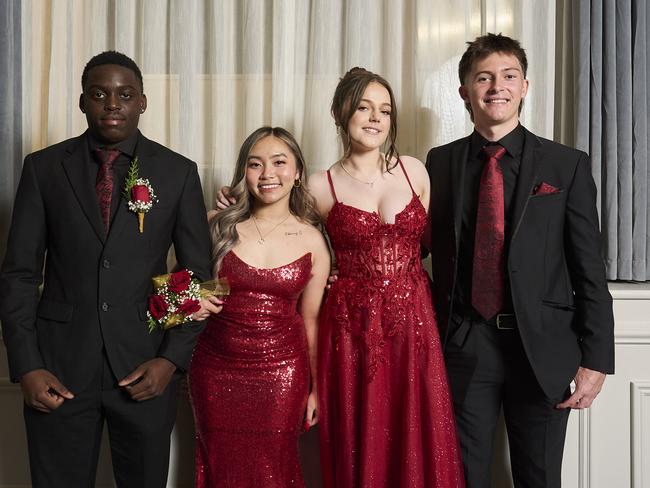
[104, 307]
[106, 264]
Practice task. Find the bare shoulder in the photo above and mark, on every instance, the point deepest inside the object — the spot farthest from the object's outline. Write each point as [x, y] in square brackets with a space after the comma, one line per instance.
[313, 239]
[417, 172]
[311, 235]
[412, 164]
[319, 188]
[318, 182]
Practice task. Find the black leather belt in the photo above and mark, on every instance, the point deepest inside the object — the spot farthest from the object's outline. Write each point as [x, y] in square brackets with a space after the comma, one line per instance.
[504, 321]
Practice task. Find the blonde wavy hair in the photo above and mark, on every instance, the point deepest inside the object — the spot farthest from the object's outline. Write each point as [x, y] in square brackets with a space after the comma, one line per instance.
[223, 227]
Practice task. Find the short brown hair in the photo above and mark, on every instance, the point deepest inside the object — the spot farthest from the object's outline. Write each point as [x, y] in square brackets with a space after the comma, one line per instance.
[482, 47]
[347, 97]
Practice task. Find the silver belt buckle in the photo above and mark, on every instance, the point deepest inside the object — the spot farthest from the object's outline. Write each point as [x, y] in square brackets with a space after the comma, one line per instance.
[503, 326]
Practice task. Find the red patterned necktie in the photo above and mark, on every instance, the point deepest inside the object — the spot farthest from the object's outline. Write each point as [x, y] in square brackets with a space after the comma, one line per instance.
[104, 183]
[488, 280]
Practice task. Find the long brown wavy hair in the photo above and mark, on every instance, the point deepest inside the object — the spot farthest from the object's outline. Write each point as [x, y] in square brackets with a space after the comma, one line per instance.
[301, 204]
[347, 97]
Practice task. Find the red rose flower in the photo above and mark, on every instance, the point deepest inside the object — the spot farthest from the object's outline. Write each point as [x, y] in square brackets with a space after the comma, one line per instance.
[157, 306]
[179, 281]
[188, 307]
[140, 193]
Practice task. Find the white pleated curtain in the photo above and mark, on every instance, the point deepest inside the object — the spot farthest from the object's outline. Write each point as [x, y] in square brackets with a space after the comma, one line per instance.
[216, 70]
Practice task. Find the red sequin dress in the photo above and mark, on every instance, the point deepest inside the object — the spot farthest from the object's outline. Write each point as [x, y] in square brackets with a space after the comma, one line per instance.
[249, 380]
[386, 418]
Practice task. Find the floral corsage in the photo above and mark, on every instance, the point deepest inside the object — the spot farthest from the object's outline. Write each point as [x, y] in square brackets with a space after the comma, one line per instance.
[177, 296]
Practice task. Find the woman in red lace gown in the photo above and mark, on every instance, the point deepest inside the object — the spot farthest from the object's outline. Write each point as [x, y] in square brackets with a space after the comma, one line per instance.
[385, 409]
[254, 364]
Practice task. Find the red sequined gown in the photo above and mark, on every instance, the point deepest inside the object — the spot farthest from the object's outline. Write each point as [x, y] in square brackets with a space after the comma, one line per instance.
[386, 418]
[249, 380]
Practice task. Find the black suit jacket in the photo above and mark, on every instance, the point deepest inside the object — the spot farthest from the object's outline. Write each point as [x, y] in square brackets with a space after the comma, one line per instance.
[557, 276]
[95, 287]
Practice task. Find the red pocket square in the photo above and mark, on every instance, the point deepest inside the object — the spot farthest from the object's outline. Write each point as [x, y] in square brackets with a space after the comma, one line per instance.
[544, 189]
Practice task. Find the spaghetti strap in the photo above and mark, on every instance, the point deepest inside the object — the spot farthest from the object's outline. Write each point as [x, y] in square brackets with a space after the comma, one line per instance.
[405, 174]
[329, 178]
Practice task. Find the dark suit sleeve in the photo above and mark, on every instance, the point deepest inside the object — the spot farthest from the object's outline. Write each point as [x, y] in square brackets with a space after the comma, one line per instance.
[22, 274]
[594, 316]
[192, 246]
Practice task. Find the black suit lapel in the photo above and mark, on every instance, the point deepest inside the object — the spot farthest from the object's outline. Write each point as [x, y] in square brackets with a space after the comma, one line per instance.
[528, 169]
[76, 166]
[458, 161]
[145, 151]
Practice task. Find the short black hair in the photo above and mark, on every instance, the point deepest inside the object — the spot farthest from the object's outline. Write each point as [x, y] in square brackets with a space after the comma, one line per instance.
[111, 57]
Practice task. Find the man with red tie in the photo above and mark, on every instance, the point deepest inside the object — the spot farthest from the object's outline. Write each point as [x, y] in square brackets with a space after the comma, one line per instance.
[80, 348]
[518, 279]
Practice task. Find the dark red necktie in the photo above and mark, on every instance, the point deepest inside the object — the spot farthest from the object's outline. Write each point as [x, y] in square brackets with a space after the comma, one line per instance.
[488, 280]
[104, 183]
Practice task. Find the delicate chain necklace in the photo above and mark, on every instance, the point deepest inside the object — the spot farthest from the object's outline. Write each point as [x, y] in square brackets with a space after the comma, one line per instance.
[261, 240]
[371, 184]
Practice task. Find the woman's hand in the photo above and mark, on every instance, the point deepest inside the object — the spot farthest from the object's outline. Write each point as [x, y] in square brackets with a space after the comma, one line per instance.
[311, 414]
[209, 305]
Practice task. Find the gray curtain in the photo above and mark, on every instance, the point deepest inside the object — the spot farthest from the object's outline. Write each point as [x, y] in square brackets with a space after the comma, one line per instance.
[611, 81]
[10, 112]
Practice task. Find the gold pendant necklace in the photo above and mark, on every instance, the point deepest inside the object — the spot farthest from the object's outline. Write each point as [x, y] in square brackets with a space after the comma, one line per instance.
[371, 184]
[261, 240]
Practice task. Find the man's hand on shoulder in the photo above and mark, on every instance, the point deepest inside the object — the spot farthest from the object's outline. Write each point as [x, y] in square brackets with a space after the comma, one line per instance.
[149, 380]
[224, 200]
[43, 391]
[588, 386]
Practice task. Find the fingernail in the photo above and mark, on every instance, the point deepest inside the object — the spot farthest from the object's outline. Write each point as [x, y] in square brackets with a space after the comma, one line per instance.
[307, 426]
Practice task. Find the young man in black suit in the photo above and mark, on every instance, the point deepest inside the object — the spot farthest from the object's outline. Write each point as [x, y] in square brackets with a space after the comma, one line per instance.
[519, 282]
[81, 349]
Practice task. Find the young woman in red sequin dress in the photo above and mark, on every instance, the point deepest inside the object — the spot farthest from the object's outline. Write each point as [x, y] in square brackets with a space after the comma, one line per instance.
[252, 379]
[386, 418]
[385, 408]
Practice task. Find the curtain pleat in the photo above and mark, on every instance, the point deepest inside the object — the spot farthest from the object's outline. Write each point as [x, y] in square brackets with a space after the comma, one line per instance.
[611, 106]
[10, 111]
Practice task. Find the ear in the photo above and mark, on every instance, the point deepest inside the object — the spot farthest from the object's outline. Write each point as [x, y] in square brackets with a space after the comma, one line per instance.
[82, 105]
[462, 91]
[143, 103]
[524, 90]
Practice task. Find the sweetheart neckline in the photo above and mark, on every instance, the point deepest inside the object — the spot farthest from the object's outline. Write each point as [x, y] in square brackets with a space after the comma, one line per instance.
[273, 268]
[375, 213]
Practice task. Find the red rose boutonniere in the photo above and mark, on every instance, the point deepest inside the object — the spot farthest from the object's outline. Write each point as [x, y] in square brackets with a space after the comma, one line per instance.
[139, 194]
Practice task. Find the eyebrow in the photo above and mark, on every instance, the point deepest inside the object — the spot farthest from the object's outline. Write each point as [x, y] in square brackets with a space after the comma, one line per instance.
[370, 101]
[276, 155]
[504, 69]
[121, 87]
